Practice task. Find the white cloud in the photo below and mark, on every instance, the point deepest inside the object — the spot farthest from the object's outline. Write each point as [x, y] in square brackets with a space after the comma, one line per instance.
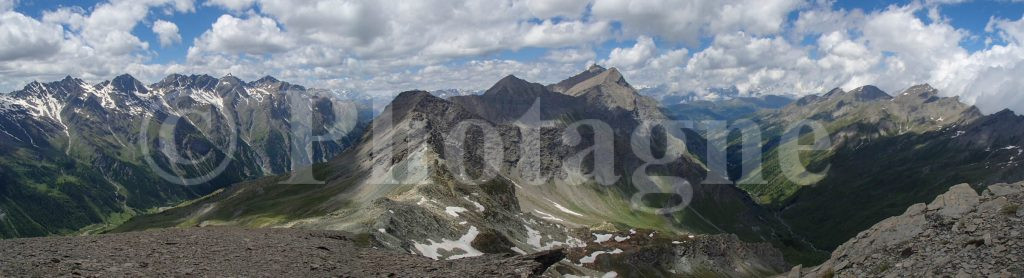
[7, 5]
[564, 33]
[557, 8]
[27, 38]
[1011, 31]
[255, 35]
[331, 20]
[689, 21]
[231, 5]
[571, 55]
[628, 57]
[167, 32]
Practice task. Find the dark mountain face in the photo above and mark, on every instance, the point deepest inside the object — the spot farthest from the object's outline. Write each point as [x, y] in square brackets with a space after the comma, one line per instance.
[75, 154]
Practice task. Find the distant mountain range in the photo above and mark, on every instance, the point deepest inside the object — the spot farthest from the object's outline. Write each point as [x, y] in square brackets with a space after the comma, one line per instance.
[72, 154]
[393, 183]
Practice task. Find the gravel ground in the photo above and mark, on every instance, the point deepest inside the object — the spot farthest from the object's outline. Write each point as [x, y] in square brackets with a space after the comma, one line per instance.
[222, 251]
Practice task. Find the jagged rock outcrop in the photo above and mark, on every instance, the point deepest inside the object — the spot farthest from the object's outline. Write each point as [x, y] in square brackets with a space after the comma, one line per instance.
[960, 233]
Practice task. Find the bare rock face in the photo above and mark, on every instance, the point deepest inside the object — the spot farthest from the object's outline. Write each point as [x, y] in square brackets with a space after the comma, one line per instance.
[960, 234]
[960, 199]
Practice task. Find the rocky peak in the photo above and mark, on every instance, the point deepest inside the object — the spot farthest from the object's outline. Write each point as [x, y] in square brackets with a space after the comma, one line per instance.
[807, 100]
[268, 79]
[611, 78]
[920, 90]
[920, 93]
[200, 82]
[410, 101]
[58, 89]
[127, 83]
[836, 91]
[869, 93]
[68, 80]
[512, 86]
[1005, 114]
[568, 83]
[510, 80]
[231, 80]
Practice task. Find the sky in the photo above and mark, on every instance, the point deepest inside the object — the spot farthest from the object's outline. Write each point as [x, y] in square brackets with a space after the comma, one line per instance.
[970, 49]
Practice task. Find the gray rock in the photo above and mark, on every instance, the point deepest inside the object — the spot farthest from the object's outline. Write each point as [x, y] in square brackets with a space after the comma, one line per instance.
[997, 190]
[994, 205]
[956, 235]
[958, 200]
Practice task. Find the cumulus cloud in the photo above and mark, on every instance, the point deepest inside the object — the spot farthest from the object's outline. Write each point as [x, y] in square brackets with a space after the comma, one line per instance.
[571, 55]
[557, 8]
[7, 5]
[629, 57]
[167, 32]
[255, 35]
[689, 21]
[231, 5]
[27, 38]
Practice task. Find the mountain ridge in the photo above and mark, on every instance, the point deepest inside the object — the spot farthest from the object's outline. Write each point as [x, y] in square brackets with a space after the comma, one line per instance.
[61, 126]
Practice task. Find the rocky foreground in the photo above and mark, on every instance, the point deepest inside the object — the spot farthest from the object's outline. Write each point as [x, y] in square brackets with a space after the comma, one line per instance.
[959, 234]
[234, 252]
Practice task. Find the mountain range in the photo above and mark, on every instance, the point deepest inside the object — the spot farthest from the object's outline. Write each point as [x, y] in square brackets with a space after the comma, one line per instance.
[75, 154]
[391, 181]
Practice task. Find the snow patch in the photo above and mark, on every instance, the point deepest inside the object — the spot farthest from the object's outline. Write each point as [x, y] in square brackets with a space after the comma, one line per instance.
[432, 249]
[454, 211]
[563, 209]
[593, 257]
[548, 216]
[602, 238]
[621, 238]
[479, 207]
[612, 274]
[517, 250]
[533, 238]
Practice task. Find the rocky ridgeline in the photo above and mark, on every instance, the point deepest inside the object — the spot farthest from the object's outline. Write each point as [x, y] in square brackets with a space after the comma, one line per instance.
[959, 234]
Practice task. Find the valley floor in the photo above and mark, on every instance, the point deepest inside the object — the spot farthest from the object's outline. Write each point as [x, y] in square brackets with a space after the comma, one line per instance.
[234, 252]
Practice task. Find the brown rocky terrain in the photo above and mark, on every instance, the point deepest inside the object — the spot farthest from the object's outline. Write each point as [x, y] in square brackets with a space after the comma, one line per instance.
[959, 234]
[233, 252]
